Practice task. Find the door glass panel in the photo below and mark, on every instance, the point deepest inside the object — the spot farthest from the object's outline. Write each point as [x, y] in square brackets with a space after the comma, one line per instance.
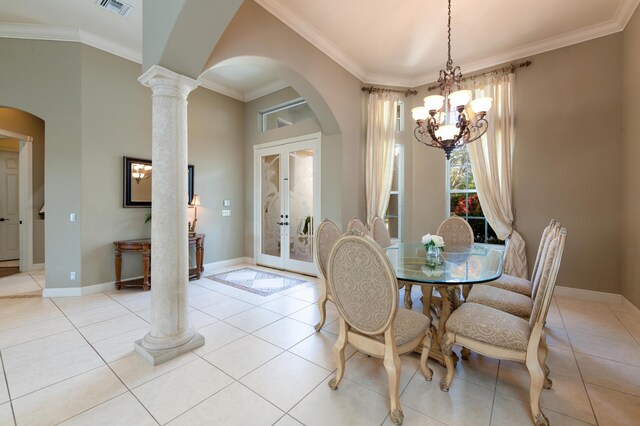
[301, 205]
[270, 205]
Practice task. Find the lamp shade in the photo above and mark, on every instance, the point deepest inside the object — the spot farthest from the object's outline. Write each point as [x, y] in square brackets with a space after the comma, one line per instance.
[434, 102]
[419, 113]
[195, 201]
[447, 132]
[459, 98]
[481, 104]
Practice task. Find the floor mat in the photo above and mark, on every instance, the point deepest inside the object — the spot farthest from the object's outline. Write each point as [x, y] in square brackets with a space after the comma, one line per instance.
[254, 281]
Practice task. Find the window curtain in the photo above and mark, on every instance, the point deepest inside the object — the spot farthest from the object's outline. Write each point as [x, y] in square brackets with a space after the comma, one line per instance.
[380, 147]
[491, 161]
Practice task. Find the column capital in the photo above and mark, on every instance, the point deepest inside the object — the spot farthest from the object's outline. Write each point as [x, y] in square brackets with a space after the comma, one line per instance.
[163, 81]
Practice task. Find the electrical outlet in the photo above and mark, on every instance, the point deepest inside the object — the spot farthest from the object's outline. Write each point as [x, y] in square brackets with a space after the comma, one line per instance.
[72, 275]
[73, 217]
[226, 212]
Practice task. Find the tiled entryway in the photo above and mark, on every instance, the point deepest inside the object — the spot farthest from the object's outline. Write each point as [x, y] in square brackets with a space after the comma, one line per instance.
[71, 361]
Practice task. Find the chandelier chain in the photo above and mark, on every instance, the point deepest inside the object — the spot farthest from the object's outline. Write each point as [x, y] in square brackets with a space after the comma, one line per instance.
[449, 35]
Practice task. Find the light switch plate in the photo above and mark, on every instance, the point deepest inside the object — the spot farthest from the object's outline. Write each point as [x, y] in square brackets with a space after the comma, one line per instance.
[226, 203]
[73, 217]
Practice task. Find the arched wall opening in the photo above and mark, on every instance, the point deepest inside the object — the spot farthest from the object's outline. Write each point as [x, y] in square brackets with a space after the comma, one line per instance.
[27, 132]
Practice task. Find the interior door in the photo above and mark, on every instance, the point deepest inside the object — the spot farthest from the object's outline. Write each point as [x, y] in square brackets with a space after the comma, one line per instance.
[9, 202]
[288, 200]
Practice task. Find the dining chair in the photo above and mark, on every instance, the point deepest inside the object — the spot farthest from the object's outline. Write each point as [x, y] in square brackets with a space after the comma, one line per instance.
[496, 334]
[522, 285]
[380, 232]
[326, 235]
[365, 290]
[357, 225]
[508, 301]
[455, 231]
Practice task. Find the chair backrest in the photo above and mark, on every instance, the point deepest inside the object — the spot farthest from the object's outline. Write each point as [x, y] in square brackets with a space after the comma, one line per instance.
[549, 268]
[357, 225]
[380, 232]
[543, 239]
[363, 284]
[455, 230]
[535, 282]
[326, 235]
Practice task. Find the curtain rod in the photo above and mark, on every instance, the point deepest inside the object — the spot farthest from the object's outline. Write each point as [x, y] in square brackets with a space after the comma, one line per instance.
[372, 89]
[504, 70]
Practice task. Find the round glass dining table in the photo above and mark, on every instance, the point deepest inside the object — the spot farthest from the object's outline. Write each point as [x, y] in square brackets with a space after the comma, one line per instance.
[459, 266]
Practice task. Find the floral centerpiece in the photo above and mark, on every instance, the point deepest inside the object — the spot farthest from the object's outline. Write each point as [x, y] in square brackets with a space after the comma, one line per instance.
[433, 244]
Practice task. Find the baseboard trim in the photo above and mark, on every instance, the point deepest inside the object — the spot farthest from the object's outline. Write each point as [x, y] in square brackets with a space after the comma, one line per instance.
[628, 305]
[78, 291]
[590, 295]
[230, 262]
[37, 267]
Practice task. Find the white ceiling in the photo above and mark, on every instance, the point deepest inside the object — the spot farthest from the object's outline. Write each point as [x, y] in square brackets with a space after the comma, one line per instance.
[399, 43]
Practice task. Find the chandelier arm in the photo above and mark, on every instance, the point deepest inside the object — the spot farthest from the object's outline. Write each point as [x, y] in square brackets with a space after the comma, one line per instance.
[476, 130]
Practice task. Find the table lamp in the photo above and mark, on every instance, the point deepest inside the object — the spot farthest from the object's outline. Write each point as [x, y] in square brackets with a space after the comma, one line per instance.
[195, 202]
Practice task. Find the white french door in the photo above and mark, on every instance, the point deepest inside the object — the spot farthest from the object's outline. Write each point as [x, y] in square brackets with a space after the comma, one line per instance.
[9, 205]
[287, 203]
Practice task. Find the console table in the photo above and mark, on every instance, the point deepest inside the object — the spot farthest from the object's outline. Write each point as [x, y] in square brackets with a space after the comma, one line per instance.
[144, 246]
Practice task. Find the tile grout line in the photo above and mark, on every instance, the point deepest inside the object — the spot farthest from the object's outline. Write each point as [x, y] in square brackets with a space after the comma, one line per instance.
[6, 382]
[110, 369]
[573, 353]
[495, 392]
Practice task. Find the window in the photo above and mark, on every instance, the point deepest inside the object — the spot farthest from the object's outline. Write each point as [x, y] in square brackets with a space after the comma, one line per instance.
[286, 114]
[393, 218]
[462, 197]
[400, 116]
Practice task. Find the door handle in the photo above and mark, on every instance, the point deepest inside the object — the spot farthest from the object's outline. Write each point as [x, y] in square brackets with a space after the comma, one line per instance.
[282, 223]
[2, 219]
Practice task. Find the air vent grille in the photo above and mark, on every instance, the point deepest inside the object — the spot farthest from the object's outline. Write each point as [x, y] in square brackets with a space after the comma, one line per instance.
[115, 6]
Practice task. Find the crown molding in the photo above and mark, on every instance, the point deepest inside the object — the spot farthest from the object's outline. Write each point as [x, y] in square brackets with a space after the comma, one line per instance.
[110, 47]
[314, 37]
[223, 90]
[265, 90]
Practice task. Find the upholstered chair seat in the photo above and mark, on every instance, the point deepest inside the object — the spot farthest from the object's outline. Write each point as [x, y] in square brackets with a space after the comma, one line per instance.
[504, 300]
[408, 325]
[513, 284]
[488, 325]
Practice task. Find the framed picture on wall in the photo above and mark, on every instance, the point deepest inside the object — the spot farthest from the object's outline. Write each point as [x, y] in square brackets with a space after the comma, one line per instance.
[137, 175]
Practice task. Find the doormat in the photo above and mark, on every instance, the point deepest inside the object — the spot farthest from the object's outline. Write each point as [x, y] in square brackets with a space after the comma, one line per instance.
[257, 282]
[6, 271]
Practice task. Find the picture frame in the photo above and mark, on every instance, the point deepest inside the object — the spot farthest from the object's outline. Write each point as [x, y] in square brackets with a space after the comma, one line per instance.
[137, 176]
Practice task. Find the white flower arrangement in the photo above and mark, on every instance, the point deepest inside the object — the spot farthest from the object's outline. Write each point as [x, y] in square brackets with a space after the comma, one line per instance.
[432, 240]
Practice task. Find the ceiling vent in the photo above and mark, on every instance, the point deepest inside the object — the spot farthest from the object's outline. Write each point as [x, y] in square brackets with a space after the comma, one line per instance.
[115, 6]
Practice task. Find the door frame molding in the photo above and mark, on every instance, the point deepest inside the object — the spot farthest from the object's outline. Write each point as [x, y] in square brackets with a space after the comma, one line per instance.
[25, 182]
[316, 137]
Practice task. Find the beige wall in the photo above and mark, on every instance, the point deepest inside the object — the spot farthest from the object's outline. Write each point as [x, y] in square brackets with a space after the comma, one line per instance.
[43, 78]
[116, 122]
[332, 93]
[629, 156]
[566, 161]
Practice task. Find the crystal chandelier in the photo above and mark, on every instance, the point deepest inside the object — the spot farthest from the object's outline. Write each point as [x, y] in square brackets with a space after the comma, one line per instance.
[434, 119]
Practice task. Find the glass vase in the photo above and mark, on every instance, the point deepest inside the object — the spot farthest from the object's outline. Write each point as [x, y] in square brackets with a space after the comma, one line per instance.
[433, 255]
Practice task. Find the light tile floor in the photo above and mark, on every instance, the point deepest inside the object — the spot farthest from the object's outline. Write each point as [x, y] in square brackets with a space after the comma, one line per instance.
[71, 361]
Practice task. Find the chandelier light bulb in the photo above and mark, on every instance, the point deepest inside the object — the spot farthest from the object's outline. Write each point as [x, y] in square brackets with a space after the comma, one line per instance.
[434, 102]
[459, 98]
[481, 105]
[447, 132]
[419, 113]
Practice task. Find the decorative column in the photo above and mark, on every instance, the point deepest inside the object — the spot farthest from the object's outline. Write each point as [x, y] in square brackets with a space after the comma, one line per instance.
[171, 334]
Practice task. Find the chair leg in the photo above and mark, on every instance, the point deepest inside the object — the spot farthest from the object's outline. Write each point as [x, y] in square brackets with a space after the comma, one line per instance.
[426, 347]
[543, 350]
[408, 303]
[322, 306]
[535, 390]
[446, 346]
[338, 355]
[392, 365]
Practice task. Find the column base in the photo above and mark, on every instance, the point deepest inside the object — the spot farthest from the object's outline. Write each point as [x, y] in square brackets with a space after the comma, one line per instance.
[157, 357]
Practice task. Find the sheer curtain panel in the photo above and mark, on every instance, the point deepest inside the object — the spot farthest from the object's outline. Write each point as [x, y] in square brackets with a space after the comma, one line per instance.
[381, 143]
[491, 160]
